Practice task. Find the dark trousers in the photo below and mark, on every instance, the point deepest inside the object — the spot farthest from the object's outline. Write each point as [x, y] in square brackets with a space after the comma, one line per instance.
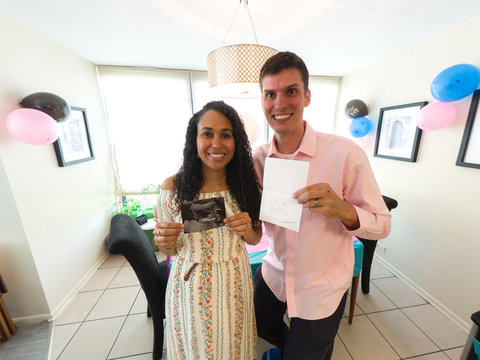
[306, 339]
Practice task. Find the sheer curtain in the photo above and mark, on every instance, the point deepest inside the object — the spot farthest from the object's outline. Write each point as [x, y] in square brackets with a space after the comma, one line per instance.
[148, 111]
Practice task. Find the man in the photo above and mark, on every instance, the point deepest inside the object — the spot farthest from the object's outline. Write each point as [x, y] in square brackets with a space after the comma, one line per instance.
[309, 272]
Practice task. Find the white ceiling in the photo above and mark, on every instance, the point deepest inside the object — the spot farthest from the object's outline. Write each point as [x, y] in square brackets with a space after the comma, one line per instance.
[334, 37]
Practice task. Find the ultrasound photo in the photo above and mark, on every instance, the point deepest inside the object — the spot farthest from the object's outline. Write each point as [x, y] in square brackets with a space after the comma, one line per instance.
[199, 215]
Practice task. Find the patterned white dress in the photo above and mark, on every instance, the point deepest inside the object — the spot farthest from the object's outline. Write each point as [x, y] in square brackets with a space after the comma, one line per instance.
[209, 313]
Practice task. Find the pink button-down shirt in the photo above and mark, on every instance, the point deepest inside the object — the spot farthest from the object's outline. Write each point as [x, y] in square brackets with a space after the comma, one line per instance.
[312, 269]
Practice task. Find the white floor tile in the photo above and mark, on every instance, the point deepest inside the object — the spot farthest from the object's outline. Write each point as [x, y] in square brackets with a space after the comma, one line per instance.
[114, 302]
[454, 354]
[434, 356]
[398, 292]
[113, 261]
[357, 310]
[125, 277]
[93, 340]
[79, 308]
[61, 336]
[363, 340]
[443, 332]
[405, 337]
[340, 351]
[374, 301]
[100, 279]
[140, 304]
[136, 337]
[379, 271]
[143, 357]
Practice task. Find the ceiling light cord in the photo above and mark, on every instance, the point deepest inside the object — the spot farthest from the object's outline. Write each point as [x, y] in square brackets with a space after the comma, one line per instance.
[245, 4]
[251, 20]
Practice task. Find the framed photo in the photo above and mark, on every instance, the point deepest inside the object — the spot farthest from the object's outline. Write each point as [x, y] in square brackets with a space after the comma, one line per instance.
[398, 136]
[74, 144]
[469, 154]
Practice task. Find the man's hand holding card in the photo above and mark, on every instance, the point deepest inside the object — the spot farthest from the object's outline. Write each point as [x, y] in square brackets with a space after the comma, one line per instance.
[281, 179]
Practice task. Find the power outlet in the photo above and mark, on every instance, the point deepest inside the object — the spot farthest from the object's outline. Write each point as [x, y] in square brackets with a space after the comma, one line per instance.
[381, 248]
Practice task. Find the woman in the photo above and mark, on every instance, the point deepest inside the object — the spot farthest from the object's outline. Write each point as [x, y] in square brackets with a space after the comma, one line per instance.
[209, 301]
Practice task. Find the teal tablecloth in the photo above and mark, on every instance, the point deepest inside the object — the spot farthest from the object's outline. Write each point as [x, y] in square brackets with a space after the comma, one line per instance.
[358, 249]
[476, 346]
[256, 259]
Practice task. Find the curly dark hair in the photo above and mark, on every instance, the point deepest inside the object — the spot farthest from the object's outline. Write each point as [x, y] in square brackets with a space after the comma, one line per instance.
[241, 178]
[284, 60]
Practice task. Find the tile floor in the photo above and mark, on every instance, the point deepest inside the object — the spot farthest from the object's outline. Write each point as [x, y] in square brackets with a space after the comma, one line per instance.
[107, 320]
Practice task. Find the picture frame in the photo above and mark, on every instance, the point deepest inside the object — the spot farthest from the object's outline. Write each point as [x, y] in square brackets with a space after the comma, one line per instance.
[74, 144]
[398, 136]
[469, 153]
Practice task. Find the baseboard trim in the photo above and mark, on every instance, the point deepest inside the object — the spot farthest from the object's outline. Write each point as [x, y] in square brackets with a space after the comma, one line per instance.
[31, 320]
[432, 300]
[51, 330]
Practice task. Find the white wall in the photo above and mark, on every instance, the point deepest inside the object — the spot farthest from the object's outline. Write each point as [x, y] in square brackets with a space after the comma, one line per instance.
[17, 265]
[435, 242]
[54, 220]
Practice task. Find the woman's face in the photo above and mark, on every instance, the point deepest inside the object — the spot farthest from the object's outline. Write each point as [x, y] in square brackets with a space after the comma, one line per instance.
[215, 142]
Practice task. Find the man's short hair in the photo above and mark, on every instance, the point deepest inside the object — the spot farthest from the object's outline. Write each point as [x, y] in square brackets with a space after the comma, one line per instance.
[284, 60]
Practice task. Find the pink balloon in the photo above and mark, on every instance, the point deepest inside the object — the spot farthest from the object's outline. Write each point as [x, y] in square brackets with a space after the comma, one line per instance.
[436, 116]
[32, 126]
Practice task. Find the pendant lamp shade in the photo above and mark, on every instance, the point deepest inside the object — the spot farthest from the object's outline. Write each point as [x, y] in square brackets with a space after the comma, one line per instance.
[233, 70]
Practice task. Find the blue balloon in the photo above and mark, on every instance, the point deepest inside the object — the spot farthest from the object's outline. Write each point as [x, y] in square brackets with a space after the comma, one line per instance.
[360, 126]
[455, 82]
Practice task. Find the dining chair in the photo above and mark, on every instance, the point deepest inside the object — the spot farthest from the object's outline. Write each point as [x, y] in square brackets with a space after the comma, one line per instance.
[127, 238]
[357, 269]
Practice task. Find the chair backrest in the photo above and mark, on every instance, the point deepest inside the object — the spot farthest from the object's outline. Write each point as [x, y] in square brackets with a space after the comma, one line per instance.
[127, 238]
[391, 203]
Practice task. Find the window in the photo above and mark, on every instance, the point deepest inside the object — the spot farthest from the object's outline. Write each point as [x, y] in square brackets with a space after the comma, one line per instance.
[148, 111]
[323, 103]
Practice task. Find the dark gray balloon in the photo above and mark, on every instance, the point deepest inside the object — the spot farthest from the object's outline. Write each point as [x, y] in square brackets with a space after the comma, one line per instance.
[355, 108]
[50, 104]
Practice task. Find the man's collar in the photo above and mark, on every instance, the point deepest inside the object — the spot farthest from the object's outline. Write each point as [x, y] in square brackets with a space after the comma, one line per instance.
[307, 145]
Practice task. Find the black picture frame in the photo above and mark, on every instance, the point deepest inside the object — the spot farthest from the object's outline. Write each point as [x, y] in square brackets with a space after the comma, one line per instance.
[398, 136]
[469, 153]
[74, 144]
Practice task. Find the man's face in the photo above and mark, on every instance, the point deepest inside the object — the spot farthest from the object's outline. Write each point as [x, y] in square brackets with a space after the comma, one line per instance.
[283, 101]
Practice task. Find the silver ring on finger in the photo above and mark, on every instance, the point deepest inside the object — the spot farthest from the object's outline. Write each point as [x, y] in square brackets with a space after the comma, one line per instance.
[316, 202]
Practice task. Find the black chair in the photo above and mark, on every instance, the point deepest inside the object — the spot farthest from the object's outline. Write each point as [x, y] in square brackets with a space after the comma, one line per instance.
[127, 238]
[369, 248]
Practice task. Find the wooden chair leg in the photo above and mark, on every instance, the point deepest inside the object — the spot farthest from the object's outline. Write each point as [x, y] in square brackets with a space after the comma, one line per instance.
[7, 326]
[353, 298]
[4, 331]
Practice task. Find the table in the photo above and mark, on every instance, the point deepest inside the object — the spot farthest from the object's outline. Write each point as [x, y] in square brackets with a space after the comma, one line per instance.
[255, 259]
